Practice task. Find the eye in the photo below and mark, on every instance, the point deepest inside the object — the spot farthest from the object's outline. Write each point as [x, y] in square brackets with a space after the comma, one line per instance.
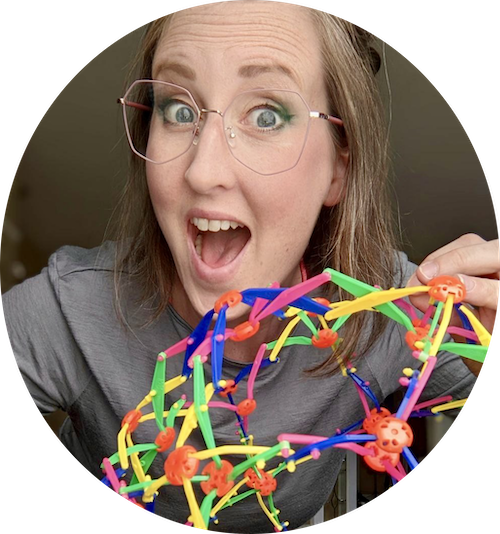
[176, 112]
[266, 118]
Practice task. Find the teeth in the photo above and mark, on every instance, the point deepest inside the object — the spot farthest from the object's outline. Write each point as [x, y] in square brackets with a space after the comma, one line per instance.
[214, 225]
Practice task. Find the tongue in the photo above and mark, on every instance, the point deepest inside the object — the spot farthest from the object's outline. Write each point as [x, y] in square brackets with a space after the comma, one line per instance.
[220, 248]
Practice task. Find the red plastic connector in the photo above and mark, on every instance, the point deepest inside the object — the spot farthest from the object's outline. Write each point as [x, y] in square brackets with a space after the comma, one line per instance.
[180, 464]
[326, 339]
[420, 334]
[443, 286]
[132, 418]
[218, 478]
[375, 461]
[245, 330]
[231, 298]
[246, 407]
[265, 483]
[165, 439]
[393, 435]
[375, 416]
[231, 388]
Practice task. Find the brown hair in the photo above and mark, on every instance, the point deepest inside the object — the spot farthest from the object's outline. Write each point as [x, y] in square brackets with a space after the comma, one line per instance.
[355, 237]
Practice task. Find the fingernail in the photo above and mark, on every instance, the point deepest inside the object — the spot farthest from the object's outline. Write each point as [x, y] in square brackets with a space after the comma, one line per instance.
[412, 281]
[468, 282]
[429, 269]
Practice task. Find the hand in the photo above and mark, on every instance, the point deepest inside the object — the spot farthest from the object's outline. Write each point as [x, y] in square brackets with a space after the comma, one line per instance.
[476, 262]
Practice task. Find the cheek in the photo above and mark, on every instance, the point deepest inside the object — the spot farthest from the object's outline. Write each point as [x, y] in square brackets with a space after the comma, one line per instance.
[153, 179]
[295, 198]
[164, 189]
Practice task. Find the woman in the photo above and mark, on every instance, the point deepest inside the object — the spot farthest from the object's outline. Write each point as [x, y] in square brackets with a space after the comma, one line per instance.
[283, 200]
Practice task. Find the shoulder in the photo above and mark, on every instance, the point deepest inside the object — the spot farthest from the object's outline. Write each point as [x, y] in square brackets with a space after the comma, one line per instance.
[78, 269]
[74, 277]
[403, 269]
[70, 260]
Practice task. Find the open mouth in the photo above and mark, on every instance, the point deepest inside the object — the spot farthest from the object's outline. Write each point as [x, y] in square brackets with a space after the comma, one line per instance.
[218, 242]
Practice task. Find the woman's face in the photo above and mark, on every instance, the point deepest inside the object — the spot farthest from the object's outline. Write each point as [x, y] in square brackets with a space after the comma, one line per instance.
[217, 52]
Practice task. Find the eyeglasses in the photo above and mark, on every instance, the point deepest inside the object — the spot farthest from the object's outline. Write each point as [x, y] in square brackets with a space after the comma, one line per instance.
[266, 129]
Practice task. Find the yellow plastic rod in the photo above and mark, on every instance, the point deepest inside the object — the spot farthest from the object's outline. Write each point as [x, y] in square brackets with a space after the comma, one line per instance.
[448, 406]
[372, 300]
[227, 496]
[122, 448]
[193, 505]
[153, 488]
[136, 463]
[482, 334]
[445, 322]
[229, 449]
[283, 337]
[174, 383]
[268, 513]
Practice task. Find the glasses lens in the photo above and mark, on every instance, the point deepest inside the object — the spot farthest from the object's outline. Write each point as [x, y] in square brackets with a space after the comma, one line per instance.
[266, 130]
[161, 120]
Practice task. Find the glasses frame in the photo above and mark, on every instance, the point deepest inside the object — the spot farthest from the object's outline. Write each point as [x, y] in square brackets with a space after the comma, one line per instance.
[201, 111]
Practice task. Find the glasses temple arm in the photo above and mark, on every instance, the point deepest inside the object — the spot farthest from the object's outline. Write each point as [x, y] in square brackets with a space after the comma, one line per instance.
[133, 104]
[329, 118]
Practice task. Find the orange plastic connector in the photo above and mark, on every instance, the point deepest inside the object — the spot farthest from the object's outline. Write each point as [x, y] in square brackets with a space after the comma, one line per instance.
[326, 338]
[420, 334]
[231, 388]
[218, 478]
[393, 434]
[443, 286]
[231, 298]
[165, 439]
[180, 464]
[375, 416]
[245, 330]
[246, 407]
[375, 461]
[265, 484]
[132, 418]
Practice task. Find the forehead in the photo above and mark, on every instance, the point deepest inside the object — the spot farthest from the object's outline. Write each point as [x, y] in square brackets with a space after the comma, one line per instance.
[246, 39]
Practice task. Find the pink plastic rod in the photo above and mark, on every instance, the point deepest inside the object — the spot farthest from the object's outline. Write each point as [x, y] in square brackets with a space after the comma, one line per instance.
[422, 381]
[358, 449]
[111, 474]
[293, 293]
[301, 439]
[259, 304]
[178, 347]
[432, 402]
[363, 400]
[462, 332]
[206, 345]
[392, 471]
[255, 370]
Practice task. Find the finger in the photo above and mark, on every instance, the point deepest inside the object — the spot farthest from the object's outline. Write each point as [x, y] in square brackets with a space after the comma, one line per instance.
[481, 292]
[465, 240]
[474, 260]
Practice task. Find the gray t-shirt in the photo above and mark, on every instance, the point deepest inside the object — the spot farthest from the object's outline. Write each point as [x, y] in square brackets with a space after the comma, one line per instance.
[75, 355]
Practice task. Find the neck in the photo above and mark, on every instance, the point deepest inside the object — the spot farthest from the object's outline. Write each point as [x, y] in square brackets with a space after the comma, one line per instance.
[243, 351]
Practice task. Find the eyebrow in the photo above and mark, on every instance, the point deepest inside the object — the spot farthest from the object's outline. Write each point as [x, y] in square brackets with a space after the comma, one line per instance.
[251, 71]
[245, 71]
[183, 70]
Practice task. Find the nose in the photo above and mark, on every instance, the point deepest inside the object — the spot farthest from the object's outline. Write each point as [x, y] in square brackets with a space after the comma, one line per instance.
[212, 165]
